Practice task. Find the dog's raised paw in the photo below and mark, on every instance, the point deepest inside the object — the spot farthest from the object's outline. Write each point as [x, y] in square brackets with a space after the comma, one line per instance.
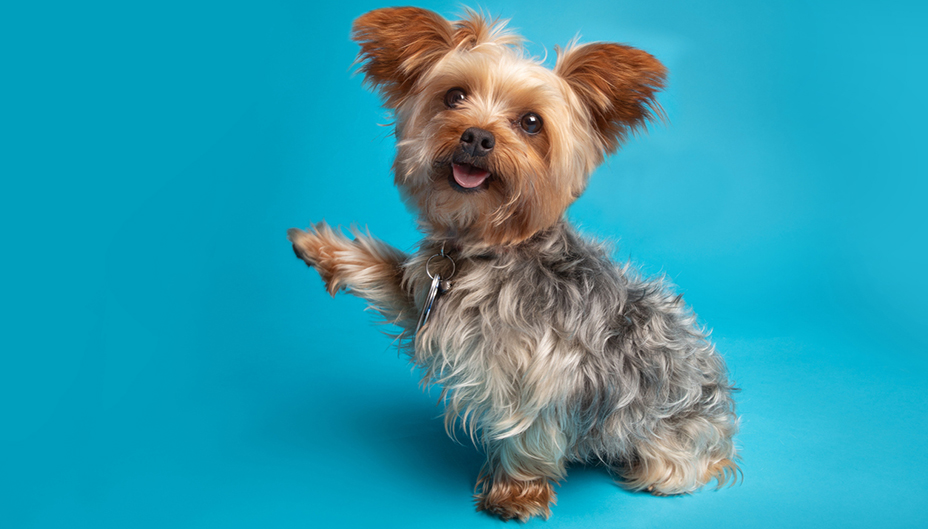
[297, 238]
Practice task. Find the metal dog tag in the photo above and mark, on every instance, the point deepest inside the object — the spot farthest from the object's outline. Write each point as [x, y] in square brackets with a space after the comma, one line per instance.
[429, 303]
[437, 288]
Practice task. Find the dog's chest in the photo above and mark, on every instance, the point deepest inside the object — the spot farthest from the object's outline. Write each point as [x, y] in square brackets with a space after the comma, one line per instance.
[502, 316]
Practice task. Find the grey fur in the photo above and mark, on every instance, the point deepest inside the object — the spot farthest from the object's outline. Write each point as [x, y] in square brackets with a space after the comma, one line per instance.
[552, 335]
[549, 353]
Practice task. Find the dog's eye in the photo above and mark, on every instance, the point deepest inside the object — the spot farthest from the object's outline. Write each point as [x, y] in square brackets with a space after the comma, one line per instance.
[531, 123]
[454, 97]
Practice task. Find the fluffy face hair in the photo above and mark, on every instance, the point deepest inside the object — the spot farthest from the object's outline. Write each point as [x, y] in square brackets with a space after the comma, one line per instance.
[542, 131]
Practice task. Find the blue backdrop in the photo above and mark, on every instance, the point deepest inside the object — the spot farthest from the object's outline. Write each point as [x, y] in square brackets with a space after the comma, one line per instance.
[167, 362]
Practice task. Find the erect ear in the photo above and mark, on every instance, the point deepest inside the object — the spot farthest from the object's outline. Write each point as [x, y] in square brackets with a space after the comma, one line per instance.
[616, 83]
[398, 45]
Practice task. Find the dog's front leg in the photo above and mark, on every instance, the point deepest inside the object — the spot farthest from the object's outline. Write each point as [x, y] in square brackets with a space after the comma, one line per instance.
[516, 480]
[365, 267]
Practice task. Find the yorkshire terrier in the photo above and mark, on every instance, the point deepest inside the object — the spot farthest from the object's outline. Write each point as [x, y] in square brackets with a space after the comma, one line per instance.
[546, 351]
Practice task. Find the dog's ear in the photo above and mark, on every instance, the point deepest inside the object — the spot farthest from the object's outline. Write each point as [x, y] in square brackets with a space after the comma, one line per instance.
[616, 83]
[398, 45]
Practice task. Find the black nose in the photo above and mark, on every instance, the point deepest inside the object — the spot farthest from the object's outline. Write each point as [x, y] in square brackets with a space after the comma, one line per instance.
[477, 142]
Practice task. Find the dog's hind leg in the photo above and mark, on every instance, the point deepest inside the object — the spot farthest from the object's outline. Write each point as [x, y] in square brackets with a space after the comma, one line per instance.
[682, 415]
[683, 456]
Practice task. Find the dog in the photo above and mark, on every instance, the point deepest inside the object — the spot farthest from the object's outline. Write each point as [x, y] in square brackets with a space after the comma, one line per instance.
[547, 352]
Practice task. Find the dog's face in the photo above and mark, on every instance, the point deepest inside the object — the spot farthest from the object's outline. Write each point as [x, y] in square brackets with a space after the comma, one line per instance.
[492, 146]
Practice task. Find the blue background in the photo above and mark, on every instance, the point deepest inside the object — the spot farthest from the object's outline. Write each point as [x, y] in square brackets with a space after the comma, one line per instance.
[167, 362]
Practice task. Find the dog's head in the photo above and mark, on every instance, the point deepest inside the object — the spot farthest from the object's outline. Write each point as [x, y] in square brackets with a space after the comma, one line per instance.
[492, 146]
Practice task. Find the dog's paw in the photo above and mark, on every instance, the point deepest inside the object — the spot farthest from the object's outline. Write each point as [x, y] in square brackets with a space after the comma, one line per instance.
[510, 499]
[319, 248]
[305, 245]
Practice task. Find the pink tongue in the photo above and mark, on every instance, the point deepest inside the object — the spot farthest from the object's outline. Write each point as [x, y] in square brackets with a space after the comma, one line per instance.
[468, 176]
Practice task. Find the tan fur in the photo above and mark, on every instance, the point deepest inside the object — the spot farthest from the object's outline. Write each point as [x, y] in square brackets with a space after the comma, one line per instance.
[398, 46]
[509, 498]
[668, 477]
[616, 82]
[599, 92]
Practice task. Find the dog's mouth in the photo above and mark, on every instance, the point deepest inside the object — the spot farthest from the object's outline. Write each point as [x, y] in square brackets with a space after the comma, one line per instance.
[468, 177]
[466, 173]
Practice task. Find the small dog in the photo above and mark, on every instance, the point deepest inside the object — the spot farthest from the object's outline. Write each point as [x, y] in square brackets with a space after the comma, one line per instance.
[546, 351]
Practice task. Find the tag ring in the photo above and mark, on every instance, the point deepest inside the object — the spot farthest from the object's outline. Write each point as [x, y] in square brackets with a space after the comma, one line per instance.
[429, 273]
